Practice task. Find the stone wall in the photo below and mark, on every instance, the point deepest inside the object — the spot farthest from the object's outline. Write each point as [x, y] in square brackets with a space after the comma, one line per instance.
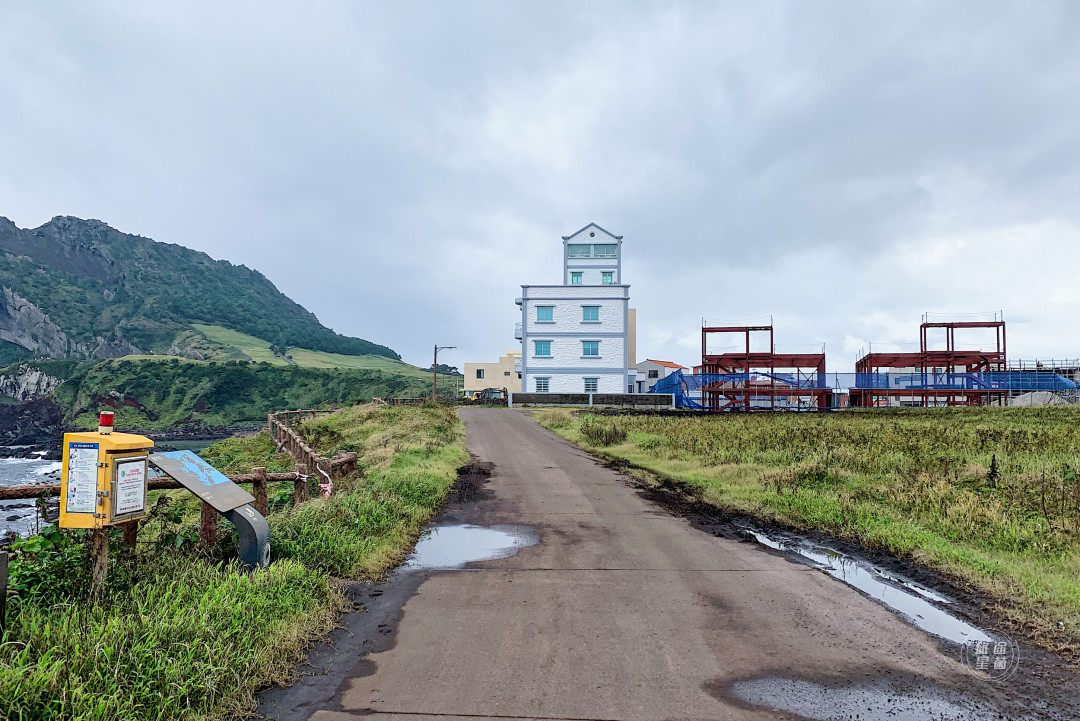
[599, 400]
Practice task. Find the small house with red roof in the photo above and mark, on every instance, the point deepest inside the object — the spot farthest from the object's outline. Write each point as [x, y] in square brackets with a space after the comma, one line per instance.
[650, 371]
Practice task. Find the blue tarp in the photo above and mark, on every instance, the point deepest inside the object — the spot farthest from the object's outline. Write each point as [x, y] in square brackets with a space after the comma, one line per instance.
[681, 385]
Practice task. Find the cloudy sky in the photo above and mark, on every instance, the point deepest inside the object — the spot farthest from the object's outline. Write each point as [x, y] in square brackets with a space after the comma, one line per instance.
[401, 168]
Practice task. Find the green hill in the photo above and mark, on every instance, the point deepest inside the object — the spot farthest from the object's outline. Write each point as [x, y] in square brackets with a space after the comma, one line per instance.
[79, 288]
[149, 393]
[225, 344]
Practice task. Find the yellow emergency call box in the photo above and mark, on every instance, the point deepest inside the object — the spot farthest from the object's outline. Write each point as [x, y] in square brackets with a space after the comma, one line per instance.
[103, 478]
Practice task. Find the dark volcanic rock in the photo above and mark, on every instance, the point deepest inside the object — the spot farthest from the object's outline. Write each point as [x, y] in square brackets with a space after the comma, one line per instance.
[30, 423]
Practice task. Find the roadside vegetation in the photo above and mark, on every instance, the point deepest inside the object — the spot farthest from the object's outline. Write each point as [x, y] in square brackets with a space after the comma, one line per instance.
[179, 632]
[988, 497]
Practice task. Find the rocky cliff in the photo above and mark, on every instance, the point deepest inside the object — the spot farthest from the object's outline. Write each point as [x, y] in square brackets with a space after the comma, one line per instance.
[26, 325]
[32, 423]
[27, 383]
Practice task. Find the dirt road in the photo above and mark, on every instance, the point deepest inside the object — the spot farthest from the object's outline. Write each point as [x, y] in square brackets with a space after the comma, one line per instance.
[622, 611]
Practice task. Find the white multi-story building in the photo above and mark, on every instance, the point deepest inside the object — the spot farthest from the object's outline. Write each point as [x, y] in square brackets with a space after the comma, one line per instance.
[578, 337]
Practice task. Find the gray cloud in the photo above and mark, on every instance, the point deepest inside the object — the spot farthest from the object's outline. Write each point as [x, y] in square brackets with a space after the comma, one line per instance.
[401, 169]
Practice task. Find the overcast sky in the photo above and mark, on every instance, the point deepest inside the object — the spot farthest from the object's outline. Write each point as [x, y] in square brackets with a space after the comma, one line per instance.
[400, 169]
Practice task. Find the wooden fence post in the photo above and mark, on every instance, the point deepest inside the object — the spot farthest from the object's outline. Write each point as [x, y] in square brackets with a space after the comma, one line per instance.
[259, 488]
[99, 550]
[3, 590]
[300, 485]
[131, 533]
[208, 525]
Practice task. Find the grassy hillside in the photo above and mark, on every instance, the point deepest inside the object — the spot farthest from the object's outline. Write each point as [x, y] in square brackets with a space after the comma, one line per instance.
[155, 392]
[225, 344]
[92, 280]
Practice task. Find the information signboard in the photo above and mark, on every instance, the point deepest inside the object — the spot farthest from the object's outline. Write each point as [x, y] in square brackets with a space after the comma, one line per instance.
[202, 479]
[129, 490]
[80, 486]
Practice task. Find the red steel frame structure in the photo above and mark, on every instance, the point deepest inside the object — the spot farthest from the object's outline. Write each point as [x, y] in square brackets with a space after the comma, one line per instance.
[949, 360]
[733, 395]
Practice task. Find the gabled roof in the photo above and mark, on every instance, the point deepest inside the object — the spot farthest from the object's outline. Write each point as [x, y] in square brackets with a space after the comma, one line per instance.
[592, 225]
[666, 364]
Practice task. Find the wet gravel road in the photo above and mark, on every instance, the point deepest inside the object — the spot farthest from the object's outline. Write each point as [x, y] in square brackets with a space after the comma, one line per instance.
[615, 609]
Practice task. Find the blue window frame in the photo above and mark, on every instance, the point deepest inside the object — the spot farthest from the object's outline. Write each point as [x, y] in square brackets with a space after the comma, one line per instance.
[605, 251]
[545, 313]
[579, 250]
[575, 278]
[590, 347]
[541, 347]
[607, 277]
[542, 385]
[590, 313]
[591, 384]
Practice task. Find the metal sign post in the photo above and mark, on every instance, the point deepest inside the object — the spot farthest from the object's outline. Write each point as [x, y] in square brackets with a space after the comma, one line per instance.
[222, 495]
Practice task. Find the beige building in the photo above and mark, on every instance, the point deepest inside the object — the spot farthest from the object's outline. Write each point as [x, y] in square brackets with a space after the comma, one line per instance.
[505, 373]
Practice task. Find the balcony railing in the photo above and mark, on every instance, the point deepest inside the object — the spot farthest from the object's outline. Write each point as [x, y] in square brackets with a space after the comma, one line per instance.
[517, 331]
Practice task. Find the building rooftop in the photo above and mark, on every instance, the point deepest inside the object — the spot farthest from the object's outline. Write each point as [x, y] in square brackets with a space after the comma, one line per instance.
[666, 364]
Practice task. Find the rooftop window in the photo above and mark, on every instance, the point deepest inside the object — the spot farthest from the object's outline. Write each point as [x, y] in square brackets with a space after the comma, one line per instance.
[585, 250]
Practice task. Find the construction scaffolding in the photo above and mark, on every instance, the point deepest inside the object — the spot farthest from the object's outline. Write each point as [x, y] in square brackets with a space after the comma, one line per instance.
[763, 379]
[943, 377]
[751, 375]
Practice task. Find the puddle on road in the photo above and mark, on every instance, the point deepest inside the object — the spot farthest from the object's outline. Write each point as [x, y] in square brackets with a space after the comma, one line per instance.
[812, 700]
[909, 599]
[448, 547]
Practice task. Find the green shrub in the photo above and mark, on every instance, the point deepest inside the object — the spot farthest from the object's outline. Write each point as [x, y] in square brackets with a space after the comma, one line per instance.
[598, 433]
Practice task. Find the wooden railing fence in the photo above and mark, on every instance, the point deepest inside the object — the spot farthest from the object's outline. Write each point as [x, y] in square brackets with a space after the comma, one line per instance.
[279, 425]
[401, 401]
[287, 439]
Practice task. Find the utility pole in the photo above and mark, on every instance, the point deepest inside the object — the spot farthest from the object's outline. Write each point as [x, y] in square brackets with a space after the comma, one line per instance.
[435, 369]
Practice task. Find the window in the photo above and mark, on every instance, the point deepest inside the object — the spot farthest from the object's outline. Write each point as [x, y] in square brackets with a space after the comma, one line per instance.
[591, 384]
[575, 278]
[541, 347]
[589, 347]
[506, 373]
[542, 385]
[607, 277]
[575, 250]
[604, 251]
[545, 313]
[654, 374]
[590, 313]
[479, 372]
[629, 389]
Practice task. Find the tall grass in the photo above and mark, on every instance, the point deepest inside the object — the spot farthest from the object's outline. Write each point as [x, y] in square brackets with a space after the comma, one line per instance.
[181, 634]
[989, 496]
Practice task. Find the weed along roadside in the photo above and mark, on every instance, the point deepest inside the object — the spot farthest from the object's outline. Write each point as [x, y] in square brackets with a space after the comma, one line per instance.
[178, 630]
[987, 498]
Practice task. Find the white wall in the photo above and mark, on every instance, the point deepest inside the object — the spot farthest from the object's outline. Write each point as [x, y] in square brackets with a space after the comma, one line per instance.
[567, 316]
[575, 383]
[566, 353]
[590, 276]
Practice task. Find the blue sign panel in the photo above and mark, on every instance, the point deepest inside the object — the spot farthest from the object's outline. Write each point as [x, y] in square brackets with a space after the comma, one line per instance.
[202, 479]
